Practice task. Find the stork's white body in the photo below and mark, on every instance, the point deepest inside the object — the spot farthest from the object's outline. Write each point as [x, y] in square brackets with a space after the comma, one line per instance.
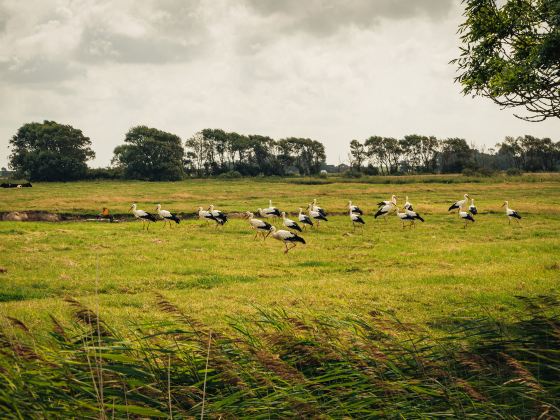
[314, 207]
[459, 204]
[392, 201]
[286, 237]
[316, 215]
[218, 216]
[260, 226]
[510, 213]
[264, 213]
[166, 216]
[289, 223]
[271, 211]
[304, 219]
[467, 217]
[385, 210]
[142, 215]
[356, 219]
[353, 208]
[204, 215]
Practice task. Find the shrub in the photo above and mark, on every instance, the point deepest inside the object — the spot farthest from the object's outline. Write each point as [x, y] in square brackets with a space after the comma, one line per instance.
[230, 175]
[514, 172]
[104, 173]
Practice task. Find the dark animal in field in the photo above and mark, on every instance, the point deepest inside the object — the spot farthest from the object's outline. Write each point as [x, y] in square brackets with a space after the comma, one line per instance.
[10, 185]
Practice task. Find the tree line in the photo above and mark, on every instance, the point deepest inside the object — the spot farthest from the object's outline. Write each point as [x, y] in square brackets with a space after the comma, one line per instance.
[417, 154]
[50, 151]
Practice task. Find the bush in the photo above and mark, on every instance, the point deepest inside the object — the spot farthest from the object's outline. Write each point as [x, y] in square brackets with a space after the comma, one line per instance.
[514, 172]
[230, 175]
[104, 173]
[353, 173]
[486, 172]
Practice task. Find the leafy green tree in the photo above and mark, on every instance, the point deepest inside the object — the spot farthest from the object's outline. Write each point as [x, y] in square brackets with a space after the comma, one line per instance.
[530, 153]
[386, 151]
[358, 155]
[420, 152]
[150, 154]
[456, 155]
[511, 54]
[50, 151]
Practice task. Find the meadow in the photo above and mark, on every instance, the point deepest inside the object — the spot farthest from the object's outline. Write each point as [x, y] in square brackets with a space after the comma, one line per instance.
[426, 276]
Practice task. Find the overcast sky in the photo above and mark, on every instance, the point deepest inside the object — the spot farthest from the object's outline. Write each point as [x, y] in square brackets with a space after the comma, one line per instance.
[328, 70]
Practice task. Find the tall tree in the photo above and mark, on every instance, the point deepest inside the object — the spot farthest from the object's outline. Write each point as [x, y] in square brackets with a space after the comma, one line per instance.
[420, 152]
[358, 154]
[511, 54]
[456, 155]
[386, 151]
[530, 153]
[150, 154]
[50, 151]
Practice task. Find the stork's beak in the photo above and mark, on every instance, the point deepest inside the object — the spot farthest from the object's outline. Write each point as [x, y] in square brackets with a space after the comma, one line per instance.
[131, 207]
[503, 204]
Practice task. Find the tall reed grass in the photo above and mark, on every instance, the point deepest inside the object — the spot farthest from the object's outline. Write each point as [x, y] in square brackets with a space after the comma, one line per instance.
[282, 365]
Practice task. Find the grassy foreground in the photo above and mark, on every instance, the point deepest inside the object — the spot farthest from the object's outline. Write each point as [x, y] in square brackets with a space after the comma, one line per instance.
[425, 276]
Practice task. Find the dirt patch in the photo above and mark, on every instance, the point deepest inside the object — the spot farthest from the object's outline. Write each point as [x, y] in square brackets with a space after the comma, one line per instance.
[31, 216]
[45, 216]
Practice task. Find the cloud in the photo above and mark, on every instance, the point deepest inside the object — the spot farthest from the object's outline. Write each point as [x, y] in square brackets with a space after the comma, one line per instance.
[328, 70]
[321, 17]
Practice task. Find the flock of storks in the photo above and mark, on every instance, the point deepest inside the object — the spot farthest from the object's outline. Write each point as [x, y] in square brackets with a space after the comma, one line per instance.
[314, 216]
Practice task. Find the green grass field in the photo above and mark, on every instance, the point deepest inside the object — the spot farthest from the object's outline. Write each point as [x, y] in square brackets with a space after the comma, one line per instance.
[385, 322]
[422, 274]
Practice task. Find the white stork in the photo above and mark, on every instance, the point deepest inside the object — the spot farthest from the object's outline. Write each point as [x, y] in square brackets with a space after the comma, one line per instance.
[263, 213]
[472, 208]
[316, 215]
[408, 205]
[410, 216]
[166, 216]
[290, 224]
[220, 217]
[146, 217]
[260, 226]
[459, 204]
[316, 208]
[384, 210]
[465, 216]
[392, 201]
[354, 209]
[356, 218]
[286, 237]
[205, 215]
[510, 213]
[304, 219]
[271, 210]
